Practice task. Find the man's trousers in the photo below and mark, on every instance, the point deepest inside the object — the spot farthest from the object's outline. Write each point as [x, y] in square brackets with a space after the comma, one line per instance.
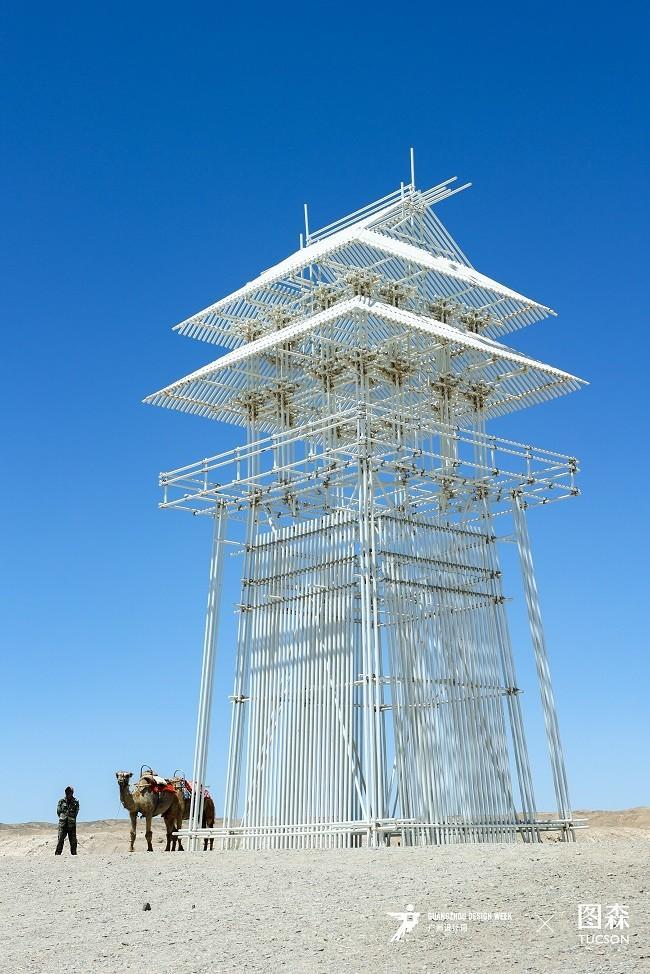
[65, 828]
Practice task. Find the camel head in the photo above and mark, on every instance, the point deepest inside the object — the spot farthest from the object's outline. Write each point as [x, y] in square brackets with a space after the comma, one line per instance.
[123, 777]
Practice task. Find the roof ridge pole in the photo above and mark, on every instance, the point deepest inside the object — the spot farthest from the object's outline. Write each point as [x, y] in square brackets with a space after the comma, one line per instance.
[306, 210]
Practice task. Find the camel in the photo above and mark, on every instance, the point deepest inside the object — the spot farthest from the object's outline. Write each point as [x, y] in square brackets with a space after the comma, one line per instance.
[145, 800]
[208, 817]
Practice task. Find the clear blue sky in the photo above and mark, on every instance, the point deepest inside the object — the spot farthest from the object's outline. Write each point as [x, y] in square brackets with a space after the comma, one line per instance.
[155, 157]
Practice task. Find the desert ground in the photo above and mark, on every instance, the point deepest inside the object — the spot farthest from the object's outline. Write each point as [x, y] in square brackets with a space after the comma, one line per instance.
[325, 912]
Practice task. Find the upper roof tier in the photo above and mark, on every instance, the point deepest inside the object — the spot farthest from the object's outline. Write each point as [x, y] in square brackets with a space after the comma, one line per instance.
[395, 250]
[379, 308]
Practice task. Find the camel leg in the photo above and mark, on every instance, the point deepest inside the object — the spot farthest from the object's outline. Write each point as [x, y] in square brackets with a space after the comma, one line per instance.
[170, 826]
[179, 825]
[180, 809]
[134, 819]
[148, 834]
[207, 824]
[168, 829]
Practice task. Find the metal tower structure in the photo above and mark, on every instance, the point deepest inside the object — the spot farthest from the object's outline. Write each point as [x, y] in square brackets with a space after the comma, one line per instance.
[375, 693]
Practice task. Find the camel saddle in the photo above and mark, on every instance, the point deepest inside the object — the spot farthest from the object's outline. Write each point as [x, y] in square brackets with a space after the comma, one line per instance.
[189, 787]
[157, 784]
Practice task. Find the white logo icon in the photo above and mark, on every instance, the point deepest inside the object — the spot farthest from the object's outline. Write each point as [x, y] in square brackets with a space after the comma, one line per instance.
[408, 921]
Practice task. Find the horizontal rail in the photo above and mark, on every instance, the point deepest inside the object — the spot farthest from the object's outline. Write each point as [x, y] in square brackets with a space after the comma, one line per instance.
[394, 827]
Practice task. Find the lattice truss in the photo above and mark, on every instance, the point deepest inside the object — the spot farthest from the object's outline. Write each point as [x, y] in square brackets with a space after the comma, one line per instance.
[375, 693]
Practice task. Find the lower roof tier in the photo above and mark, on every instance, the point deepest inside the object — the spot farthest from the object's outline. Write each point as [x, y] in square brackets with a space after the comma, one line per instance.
[365, 350]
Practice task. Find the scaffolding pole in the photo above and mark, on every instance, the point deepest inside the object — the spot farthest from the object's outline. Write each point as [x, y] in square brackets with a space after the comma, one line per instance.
[542, 664]
[207, 677]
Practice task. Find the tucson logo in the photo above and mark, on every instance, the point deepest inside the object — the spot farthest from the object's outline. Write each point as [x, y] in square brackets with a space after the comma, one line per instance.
[592, 918]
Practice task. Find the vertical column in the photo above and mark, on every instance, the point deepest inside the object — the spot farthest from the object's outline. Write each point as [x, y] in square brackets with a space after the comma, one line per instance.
[372, 716]
[207, 676]
[240, 696]
[541, 659]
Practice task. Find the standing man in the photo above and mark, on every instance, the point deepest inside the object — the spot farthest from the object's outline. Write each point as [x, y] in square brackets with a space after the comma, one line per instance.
[67, 811]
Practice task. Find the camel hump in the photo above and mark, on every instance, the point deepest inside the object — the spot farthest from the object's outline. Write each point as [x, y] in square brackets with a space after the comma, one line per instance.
[182, 786]
[151, 778]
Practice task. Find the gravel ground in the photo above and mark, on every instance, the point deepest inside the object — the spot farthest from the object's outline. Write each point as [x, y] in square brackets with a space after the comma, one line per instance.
[326, 912]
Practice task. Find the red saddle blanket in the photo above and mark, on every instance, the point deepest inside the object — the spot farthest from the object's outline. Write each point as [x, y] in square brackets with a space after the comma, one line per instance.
[158, 788]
